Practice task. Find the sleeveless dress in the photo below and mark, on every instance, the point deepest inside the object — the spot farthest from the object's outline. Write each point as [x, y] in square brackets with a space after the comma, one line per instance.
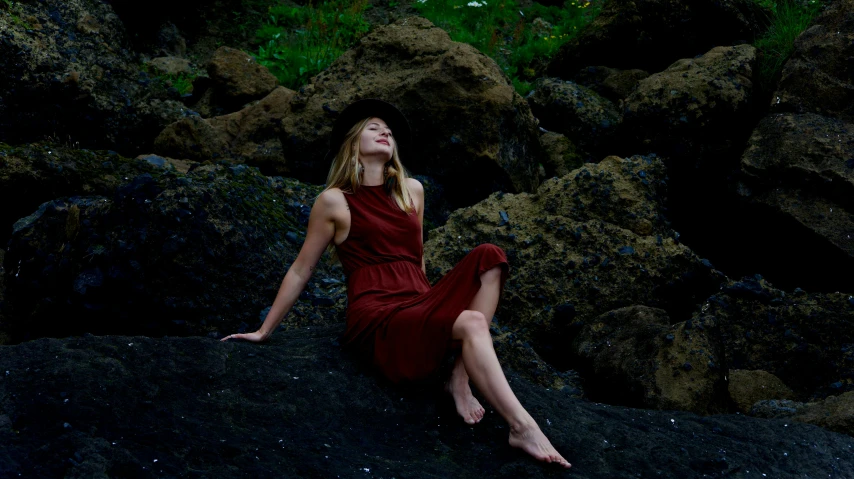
[394, 316]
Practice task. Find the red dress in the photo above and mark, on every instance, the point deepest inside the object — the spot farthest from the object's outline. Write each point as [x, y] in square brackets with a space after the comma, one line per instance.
[393, 314]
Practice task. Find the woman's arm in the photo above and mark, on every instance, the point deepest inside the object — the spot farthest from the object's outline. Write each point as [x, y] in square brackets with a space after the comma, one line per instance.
[327, 211]
[416, 189]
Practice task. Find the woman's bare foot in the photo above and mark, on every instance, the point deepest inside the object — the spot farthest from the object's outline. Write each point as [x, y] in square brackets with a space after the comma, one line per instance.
[468, 407]
[531, 439]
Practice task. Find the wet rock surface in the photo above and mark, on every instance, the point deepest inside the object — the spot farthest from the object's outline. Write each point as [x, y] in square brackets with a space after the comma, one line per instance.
[577, 112]
[201, 253]
[805, 339]
[697, 107]
[299, 407]
[633, 356]
[473, 133]
[67, 72]
[599, 237]
[651, 34]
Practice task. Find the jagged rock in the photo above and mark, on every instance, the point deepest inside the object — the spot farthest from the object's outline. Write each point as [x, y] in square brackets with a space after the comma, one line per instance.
[746, 388]
[633, 356]
[472, 132]
[800, 166]
[299, 407]
[835, 413]
[170, 65]
[697, 106]
[577, 112]
[802, 338]
[651, 34]
[238, 78]
[561, 155]
[33, 174]
[611, 83]
[250, 135]
[818, 77]
[65, 72]
[584, 244]
[201, 253]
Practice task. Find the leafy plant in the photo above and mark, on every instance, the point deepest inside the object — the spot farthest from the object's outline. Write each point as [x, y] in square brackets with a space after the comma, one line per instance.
[520, 40]
[789, 19]
[298, 42]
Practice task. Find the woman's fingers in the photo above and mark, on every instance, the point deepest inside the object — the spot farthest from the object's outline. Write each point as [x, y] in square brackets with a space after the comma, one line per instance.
[234, 336]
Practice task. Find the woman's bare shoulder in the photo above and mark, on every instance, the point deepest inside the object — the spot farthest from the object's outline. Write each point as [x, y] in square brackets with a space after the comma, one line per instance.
[415, 186]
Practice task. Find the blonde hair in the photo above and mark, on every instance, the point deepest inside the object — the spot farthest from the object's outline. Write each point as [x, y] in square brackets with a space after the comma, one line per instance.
[346, 172]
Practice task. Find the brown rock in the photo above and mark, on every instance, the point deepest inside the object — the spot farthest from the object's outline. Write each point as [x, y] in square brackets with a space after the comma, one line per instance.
[251, 135]
[560, 153]
[611, 83]
[818, 77]
[170, 65]
[88, 24]
[633, 356]
[835, 413]
[695, 106]
[238, 77]
[472, 132]
[748, 387]
[584, 244]
[651, 34]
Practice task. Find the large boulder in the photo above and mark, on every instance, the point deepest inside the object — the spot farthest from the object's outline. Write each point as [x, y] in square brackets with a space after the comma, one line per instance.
[33, 174]
[633, 356]
[696, 107]
[651, 34]
[298, 407]
[612, 83]
[590, 242]
[66, 72]
[819, 76]
[238, 78]
[201, 253]
[835, 413]
[561, 154]
[577, 112]
[801, 167]
[251, 135]
[472, 132]
[805, 339]
[746, 388]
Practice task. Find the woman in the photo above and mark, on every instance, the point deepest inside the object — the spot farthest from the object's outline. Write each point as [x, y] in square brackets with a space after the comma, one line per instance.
[373, 214]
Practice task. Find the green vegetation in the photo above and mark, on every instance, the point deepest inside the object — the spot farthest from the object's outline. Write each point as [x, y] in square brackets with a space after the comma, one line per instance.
[520, 40]
[789, 18]
[13, 9]
[183, 82]
[298, 42]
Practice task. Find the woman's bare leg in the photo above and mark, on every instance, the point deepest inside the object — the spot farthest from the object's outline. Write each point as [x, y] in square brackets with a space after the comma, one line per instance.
[481, 363]
[485, 301]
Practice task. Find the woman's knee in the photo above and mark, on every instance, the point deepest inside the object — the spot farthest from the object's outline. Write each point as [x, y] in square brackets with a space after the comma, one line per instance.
[470, 324]
[491, 275]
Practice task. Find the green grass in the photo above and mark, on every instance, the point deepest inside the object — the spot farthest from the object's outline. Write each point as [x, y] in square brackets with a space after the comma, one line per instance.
[789, 19]
[520, 40]
[298, 42]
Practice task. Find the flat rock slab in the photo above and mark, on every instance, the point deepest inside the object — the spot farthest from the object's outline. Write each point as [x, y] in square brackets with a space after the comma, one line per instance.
[300, 407]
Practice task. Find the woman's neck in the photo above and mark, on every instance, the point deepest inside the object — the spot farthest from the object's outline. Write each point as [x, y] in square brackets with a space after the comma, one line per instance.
[373, 174]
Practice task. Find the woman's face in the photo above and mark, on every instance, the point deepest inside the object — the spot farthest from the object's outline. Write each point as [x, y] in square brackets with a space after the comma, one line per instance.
[376, 139]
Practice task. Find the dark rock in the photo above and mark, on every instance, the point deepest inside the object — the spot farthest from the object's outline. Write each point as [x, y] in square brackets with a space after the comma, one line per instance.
[169, 254]
[627, 359]
[472, 132]
[563, 247]
[746, 388]
[651, 34]
[561, 155]
[611, 83]
[141, 407]
[585, 118]
[696, 107]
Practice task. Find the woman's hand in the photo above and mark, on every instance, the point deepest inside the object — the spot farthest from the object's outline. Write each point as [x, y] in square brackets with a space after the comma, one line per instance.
[256, 337]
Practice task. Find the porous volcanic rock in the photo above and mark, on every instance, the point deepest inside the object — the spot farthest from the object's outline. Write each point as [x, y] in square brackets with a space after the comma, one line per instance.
[66, 73]
[612, 83]
[746, 388]
[818, 77]
[238, 76]
[802, 338]
[33, 174]
[299, 407]
[633, 356]
[651, 34]
[170, 65]
[561, 155]
[835, 413]
[201, 253]
[251, 135]
[473, 133]
[697, 106]
[582, 245]
[579, 113]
